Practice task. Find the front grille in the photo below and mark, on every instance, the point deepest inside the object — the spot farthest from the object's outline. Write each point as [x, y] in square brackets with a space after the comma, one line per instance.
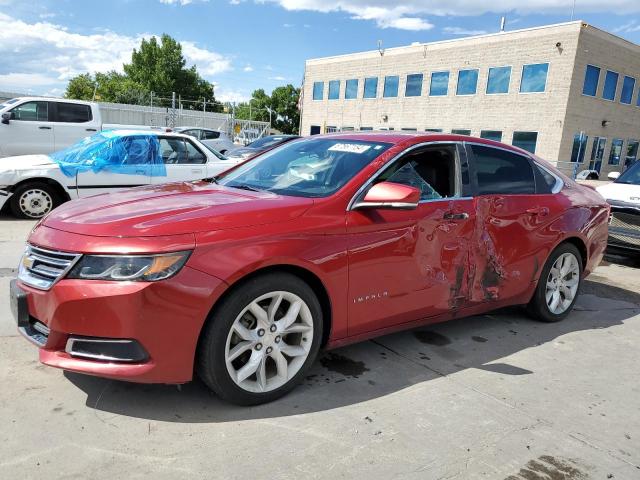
[628, 221]
[624, 229]
[41, 268]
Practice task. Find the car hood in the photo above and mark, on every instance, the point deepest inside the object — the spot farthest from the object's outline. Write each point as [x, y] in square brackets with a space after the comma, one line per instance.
[25, 162]
[621, 192]
[173, 209]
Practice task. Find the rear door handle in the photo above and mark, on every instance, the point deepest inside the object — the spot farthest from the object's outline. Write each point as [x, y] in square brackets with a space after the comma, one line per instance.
[541, 211]
[90, 130]
[456, 216]
[44, 128]
[196, 170]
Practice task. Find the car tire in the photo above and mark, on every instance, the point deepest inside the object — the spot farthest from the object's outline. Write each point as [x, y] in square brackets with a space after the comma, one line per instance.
[244, 343]
[557, 291]
[33, 200]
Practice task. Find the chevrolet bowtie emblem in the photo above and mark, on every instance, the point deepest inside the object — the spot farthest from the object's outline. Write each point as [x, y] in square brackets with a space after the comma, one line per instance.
[27, 262]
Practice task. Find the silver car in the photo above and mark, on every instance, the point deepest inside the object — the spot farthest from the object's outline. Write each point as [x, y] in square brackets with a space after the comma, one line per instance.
[212, 138]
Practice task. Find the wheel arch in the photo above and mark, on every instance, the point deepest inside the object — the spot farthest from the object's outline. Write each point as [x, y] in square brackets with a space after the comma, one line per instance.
[304, 274]
[60, 190]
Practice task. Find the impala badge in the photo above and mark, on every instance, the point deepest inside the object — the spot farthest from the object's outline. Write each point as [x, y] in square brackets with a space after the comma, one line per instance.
[371, 296]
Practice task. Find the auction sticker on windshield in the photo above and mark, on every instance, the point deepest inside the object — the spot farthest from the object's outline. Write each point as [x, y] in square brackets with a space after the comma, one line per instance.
[349, 148]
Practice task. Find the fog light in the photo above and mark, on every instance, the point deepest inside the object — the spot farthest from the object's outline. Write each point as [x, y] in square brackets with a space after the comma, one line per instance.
[105, 349]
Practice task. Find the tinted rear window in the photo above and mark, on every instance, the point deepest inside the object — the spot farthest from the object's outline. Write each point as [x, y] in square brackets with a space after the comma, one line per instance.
[73, 113]
[502, 172]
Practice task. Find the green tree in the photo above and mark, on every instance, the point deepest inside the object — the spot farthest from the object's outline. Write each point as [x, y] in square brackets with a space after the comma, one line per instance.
[283, 103]
[158, 67]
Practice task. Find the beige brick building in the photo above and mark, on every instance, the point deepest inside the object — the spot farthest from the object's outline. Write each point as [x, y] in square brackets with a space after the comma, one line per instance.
[537, 88]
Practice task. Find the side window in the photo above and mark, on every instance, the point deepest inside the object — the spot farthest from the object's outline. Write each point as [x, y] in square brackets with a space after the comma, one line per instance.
[136, 150]
[31, 112]
[209, 135]
[194, 155]
[173, 151]
[432, 171]
[544, 180]
[192, 133]
[73, 113]
[502, 172]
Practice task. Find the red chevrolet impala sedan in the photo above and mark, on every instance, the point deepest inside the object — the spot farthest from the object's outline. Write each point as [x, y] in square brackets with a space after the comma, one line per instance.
[322, 242]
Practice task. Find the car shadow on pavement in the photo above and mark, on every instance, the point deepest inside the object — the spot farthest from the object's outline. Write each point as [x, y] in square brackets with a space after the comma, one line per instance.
[375, 368]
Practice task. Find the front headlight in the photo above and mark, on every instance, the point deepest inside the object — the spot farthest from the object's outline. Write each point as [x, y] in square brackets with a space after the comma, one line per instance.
[131, 268]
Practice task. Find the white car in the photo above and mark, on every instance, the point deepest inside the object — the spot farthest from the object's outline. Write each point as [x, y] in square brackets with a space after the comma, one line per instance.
[213, 138]
[32, 185]
[624, 197]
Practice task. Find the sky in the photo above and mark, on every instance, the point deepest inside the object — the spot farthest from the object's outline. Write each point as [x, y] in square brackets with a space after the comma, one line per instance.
[243, 45]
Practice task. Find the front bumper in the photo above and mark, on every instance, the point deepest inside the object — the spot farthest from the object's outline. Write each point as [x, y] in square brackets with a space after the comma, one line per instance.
[164, 318]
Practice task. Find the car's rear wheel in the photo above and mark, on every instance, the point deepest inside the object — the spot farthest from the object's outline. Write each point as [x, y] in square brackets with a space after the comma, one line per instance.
[261, 340]
[33, 200]
[558, 286]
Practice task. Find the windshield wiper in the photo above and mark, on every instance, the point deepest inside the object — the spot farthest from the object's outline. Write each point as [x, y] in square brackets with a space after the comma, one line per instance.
[245, 187]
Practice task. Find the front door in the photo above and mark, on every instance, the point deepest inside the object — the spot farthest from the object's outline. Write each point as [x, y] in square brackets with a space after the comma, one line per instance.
[124, 163]
[29, 131]
[406, 265]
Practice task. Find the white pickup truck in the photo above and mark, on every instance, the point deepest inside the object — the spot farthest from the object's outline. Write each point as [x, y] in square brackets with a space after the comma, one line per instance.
[33, 125]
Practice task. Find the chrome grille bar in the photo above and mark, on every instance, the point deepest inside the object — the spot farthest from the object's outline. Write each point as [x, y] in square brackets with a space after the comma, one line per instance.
[41, 268]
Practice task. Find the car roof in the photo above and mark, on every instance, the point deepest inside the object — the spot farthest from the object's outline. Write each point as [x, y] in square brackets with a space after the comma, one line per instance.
[401, 137]
[131, 131]
[180, 129]
[52, 99]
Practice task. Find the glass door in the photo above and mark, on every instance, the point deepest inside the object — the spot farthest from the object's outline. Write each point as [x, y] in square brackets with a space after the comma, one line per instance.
[597, 153]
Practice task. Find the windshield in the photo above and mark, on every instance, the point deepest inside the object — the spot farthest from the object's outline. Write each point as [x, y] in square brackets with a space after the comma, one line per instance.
[266, 142]
[215, 152]
[306, 168]
[631, 175]
[6, 103]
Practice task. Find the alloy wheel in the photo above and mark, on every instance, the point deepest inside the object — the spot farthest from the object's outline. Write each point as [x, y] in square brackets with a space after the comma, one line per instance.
[35, 203]
[269, 342]
[562, 283]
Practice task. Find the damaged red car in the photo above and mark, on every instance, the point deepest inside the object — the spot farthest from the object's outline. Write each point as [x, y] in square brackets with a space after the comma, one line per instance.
[322, 242]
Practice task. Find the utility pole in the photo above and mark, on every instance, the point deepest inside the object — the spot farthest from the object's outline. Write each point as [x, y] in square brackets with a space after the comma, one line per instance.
[573, 9]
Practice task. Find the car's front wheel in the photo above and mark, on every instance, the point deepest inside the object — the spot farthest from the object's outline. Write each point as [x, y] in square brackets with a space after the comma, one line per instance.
[261, 339]
[33, 200]
[558, 286]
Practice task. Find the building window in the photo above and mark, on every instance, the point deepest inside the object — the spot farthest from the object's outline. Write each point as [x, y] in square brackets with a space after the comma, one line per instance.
[498, 80]
[610, 85]
[370, 87]
[616, 151]
[365, 129]
[334, 89]
[579, 147]
[525, 140]
[409, 129]
[591, 79]
[467, 82]
[597, 153]
[347, 129]
[440, 84]
[434, 130]
[495, 135]
[391, 86]
[534, 78]
[351, 89]
[332, 129]
[628, 86]
[315, 130]
[318, 90]
[414, 85]
[632, 152]
[461, 132]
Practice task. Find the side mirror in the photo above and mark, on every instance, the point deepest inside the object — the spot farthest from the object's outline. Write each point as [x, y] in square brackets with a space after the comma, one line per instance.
[390, 195]
[613, 175]
[6, 117]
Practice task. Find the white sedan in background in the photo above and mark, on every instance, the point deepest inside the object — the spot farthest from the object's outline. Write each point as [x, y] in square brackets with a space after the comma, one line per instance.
[215, 139]
[32, 185]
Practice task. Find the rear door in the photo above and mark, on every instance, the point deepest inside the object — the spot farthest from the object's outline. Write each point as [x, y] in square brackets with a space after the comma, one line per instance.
[405, 265]
[29, 131]
[515, 204]
[131, 167]
[183, 160]
[72, 122]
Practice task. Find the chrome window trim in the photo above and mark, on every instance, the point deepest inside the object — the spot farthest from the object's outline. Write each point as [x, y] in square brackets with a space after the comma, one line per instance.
[365, 185]
[559, 182]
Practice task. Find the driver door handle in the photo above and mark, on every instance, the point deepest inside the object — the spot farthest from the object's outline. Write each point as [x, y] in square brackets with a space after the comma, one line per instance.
[456, 216]
[44, 128]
